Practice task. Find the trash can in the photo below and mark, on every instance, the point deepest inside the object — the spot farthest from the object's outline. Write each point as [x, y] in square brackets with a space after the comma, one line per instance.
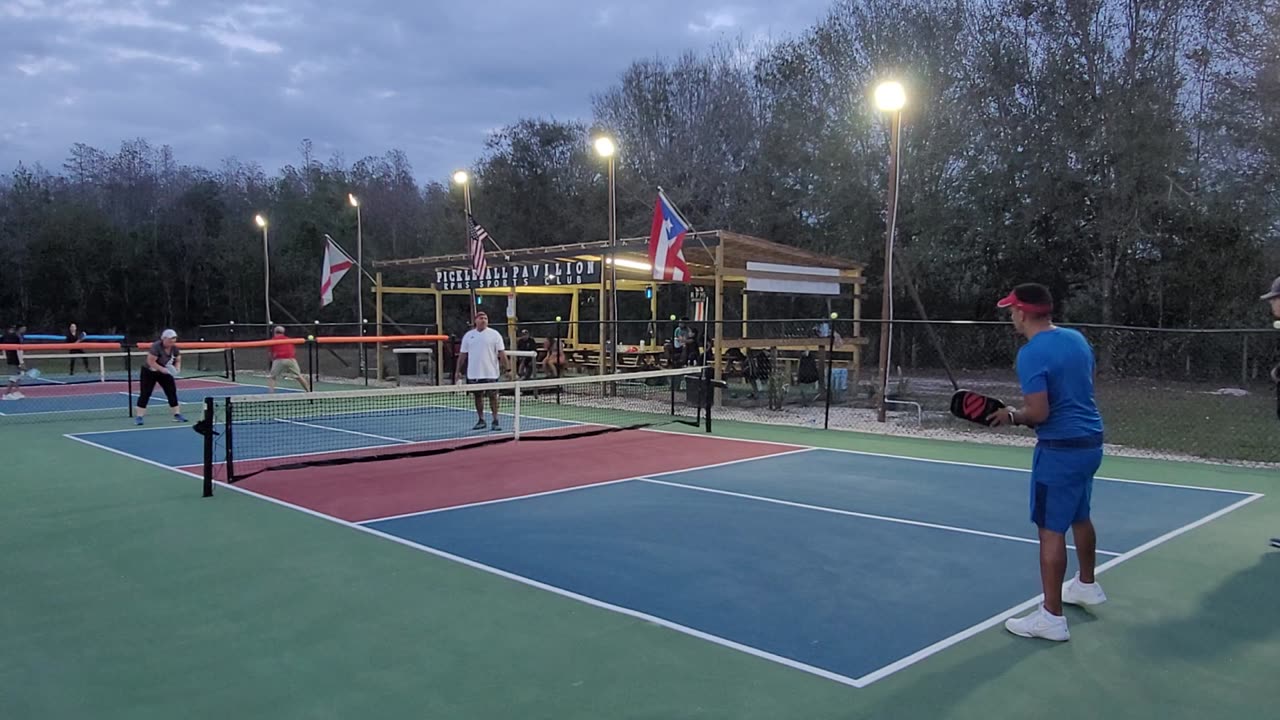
[406, 364]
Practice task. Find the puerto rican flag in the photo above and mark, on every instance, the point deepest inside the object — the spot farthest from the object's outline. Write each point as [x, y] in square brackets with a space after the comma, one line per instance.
[666, 242]
[336, 264]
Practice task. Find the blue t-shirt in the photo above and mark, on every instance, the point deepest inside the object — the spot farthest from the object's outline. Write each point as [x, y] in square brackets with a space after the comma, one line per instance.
[1060, 361]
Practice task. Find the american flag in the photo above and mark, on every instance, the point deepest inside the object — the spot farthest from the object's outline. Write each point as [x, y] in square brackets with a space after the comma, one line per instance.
[476, 237]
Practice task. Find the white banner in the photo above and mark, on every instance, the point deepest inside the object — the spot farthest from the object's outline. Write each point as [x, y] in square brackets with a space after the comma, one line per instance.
[818, 286]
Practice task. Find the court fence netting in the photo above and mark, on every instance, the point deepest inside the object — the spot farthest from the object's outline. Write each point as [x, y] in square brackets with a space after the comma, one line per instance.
[1164, 393]
[1167, 393]
[247, 435]
[95, 380]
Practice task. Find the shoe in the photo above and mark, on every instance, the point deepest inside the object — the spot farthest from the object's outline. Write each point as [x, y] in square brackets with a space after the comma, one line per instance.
[495, 426]
[1275, 542]
[179, 418]
[1040, 624]
[1075, 592]
[13, 396]
[137, 420]
[478, 426]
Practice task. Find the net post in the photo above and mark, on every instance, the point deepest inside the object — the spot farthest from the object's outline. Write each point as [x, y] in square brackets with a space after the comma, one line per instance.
[128, 373]
[364, 352]
[102, 367]
[208, 447]
[231, 359]
[316, 356]
[515, 423]
[227, 442]
[672, 382]
[831, 348]
[708, 393]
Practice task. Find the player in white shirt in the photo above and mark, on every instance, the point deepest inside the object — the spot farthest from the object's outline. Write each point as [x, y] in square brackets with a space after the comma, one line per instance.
[483, 354]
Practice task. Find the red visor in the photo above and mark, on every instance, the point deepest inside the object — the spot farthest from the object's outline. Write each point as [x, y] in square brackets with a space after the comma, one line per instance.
[1011, 301]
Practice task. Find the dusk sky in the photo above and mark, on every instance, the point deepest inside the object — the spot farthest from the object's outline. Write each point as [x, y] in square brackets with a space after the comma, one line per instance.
[218, 79]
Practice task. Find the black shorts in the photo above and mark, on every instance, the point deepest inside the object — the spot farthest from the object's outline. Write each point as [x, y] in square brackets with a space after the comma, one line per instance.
[482, 381]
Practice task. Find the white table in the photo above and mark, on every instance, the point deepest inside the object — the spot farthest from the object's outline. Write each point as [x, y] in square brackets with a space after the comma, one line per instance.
[429, 361]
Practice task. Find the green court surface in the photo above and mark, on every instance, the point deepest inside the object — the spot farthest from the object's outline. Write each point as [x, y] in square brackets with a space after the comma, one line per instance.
[126, 595]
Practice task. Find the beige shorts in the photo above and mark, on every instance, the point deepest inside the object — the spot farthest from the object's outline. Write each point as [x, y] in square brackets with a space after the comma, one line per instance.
[285, 368]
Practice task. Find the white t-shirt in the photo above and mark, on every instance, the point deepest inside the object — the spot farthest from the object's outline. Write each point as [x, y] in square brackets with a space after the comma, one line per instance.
[482, 350]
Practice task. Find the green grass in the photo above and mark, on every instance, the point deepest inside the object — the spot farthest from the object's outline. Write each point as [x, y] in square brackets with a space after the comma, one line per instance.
[125, 595]
[1191, 420]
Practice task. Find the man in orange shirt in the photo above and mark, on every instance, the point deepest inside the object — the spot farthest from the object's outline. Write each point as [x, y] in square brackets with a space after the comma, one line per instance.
[284, 363]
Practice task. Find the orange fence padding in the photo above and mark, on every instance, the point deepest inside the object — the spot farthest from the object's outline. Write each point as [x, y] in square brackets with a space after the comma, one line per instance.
[382, 339]
[230, 345]
[34, 349]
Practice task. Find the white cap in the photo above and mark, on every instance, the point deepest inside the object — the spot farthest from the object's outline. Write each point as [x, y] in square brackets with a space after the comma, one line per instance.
[168, 335]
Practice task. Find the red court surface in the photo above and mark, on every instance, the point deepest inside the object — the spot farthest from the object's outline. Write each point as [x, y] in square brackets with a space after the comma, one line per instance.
[365, 491]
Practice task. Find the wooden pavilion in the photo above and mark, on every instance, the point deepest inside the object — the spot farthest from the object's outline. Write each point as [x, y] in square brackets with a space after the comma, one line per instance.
[718, 261]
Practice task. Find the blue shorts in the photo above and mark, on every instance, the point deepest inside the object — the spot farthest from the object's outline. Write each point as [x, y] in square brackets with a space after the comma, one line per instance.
[1062, 482]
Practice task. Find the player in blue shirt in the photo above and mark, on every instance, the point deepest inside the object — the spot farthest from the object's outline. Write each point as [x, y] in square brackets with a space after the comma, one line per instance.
[1055, 369]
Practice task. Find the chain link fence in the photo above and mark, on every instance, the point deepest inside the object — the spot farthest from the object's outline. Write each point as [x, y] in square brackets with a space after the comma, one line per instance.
[1176, 394]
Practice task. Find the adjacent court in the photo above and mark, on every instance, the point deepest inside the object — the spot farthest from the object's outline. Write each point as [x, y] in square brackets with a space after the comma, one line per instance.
[845, 565]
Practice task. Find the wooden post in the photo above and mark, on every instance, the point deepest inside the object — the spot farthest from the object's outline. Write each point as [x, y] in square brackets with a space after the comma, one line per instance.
[653, 313]
[512, 320]
[439, 331]
[574, 318]
[857, 307]
[719, 317]
[378, 288]
[744, 313]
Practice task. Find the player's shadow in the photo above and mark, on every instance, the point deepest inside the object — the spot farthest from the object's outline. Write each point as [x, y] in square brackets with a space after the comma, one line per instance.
[1240, 611]
[942, 683]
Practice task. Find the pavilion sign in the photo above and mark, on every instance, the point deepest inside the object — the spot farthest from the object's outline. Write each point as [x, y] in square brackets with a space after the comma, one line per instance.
[560, 272]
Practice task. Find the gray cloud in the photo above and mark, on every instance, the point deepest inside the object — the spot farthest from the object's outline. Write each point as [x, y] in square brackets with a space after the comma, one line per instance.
[216, 79]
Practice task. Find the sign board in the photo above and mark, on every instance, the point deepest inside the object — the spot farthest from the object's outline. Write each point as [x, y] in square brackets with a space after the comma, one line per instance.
[551, 273]
[826, 281]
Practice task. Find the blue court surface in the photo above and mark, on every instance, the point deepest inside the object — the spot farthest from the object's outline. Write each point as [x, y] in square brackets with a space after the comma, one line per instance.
[847, 565]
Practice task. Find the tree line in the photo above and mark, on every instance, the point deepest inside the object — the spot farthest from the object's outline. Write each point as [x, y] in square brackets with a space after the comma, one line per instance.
[1124, 152]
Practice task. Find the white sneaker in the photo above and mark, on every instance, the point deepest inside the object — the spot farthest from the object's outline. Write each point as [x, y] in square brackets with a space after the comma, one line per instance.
[1040, 624]
[1075, 592]
[14, 396]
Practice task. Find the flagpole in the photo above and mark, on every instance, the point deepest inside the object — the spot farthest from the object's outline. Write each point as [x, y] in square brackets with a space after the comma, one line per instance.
[692, 231]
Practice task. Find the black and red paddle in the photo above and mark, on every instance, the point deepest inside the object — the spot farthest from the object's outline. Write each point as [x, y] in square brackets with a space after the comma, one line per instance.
[974, 407]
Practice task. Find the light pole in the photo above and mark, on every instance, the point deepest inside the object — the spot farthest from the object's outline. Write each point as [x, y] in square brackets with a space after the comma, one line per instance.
[355, 203]
[462, 178]
[606, 148]
[890, 97]
[266, 267]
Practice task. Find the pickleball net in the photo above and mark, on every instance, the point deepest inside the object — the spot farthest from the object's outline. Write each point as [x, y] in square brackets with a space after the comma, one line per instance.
[247, 435]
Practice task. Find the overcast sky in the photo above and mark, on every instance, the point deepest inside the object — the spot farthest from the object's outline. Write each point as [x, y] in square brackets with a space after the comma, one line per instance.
[215, 79]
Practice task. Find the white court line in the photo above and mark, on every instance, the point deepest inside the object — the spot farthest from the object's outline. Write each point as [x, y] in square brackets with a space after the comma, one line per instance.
[397, 441]
[997, 619]
[577, 487]
[851, 513]
[860, 682]
[966, 464]
[171, 426]
[670, 625]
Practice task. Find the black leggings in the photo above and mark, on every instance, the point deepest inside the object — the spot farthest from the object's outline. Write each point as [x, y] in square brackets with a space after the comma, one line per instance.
[150, 379]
